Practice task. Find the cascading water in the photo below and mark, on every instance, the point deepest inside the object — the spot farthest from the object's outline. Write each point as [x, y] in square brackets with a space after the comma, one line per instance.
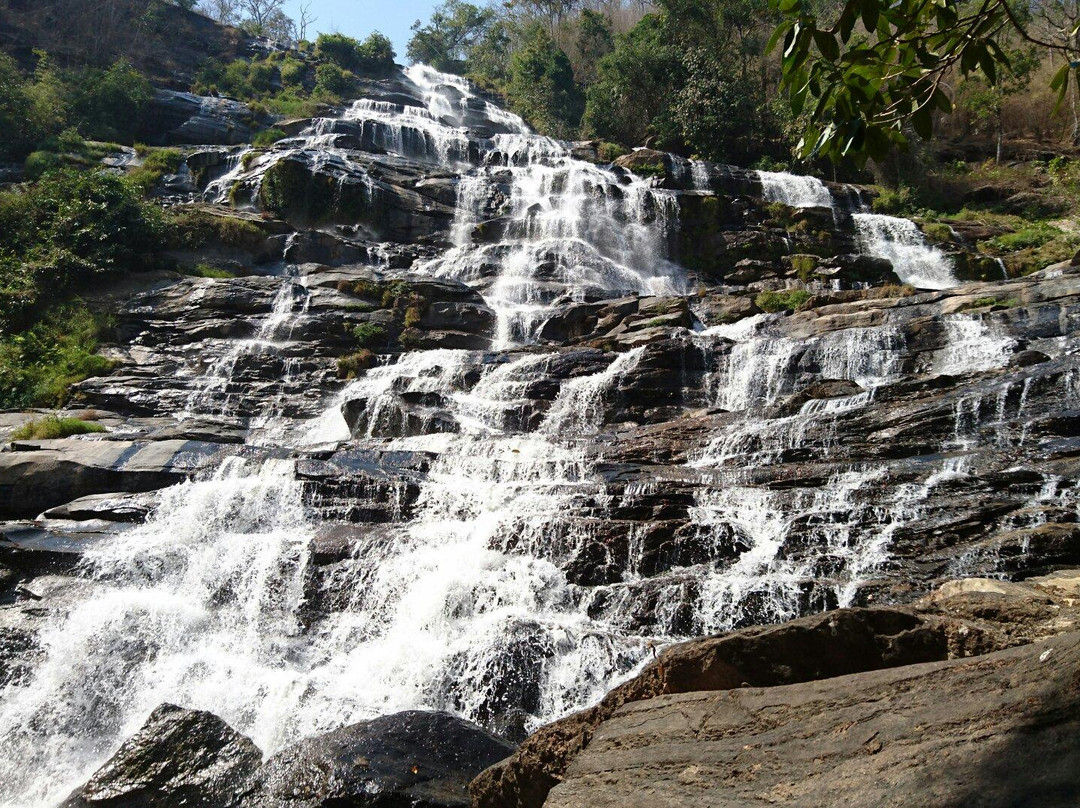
[914, 259]
[467, 599]
[570, 231]
[795, 190]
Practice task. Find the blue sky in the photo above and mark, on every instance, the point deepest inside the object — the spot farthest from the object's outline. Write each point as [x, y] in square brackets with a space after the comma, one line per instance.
[358, 18]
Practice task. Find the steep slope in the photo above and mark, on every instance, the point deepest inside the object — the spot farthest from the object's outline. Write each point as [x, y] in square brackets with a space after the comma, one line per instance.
[481, 424]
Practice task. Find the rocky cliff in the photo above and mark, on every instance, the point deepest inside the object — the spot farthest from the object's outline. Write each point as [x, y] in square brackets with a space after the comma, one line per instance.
[477, 424]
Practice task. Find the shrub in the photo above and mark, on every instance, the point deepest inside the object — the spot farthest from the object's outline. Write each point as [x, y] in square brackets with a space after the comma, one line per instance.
[610, 152]
[894, 201]
[368, 335]
[38, 365]
[351, 366]
[69, 227]
[938, 232]
[332, 80]
[51, 427]
[267, 137]
[790, 300]
[374, 56]
[293, 73]
[39, 163]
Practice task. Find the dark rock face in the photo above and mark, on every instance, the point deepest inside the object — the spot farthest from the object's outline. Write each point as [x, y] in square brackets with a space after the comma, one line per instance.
[416, 759]
[179, 757]
[182, 118]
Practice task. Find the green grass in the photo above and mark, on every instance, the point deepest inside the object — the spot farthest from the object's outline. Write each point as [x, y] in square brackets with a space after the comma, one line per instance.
[1031, 237]
[986, 302]
[207, 271]
[39, 365]
[790, 300]
[267, 137]
[52, 427]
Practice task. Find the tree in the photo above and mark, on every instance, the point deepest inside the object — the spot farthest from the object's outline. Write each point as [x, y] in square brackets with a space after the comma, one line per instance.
[226, 12]
[595, 40]
[541, 86]
[444, 43]
[306, 19]
[986, 102]
[262, 16]
[632, 95]
[17, 119]
[861, 88]
[375, 55]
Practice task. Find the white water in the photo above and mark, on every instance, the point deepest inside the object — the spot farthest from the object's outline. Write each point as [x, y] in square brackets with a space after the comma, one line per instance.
[914, 259]
[795, 190]
[572, 231]
[205, 605]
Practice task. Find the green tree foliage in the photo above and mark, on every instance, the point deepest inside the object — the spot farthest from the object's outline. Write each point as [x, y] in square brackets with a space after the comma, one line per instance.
[986, 101]
[870, 74]
[100, 104]
[630, 100]
[66, 229]
[374, 56]
[455, 29]
[595, 40]
[18, 121]
[541, 86]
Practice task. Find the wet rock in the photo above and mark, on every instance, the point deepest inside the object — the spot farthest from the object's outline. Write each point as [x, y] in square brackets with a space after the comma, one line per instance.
[179, 757]
[419, 759]
[45, 474]
[109, 507]
[820, 647]
[820, 390]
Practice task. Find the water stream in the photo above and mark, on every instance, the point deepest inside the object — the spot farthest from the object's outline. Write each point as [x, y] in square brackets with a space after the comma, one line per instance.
[468, 604]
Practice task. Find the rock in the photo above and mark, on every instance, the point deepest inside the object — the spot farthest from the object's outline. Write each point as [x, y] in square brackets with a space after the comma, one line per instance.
[992, 731]
[418, 759]
[45, 474]
[819, 647]
[1025, 359]
[109, 507]
[183, 118]
[818, 391]
[179, 757]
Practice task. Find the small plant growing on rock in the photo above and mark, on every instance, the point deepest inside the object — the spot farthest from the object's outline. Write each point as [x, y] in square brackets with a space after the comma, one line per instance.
[368, 334]
[353, 365]
[52, 427]
[791, 300]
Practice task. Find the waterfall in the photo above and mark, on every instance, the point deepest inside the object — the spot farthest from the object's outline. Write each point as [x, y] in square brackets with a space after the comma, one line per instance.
[570, 231]
[470, 595]
[795, 190]
[915, 261]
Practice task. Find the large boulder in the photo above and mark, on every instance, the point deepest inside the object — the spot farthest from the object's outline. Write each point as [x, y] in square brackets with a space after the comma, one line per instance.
[176, 117]
[179, 757]
[818, 647]
[48, 473]
[997, 730]
[416, 759]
